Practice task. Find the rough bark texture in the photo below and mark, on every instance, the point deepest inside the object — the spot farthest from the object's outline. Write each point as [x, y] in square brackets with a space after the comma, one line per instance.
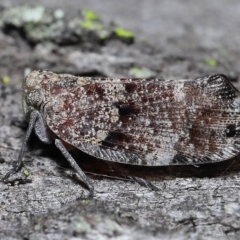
[45, 201]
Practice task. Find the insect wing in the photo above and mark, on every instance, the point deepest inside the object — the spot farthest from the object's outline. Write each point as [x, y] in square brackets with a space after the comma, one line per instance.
[147, 122]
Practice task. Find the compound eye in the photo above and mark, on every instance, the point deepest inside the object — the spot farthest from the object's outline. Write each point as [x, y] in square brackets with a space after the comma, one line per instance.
[34, 97]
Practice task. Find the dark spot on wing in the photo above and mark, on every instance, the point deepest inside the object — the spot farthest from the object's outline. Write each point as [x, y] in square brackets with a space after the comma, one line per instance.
[115, 139]
[130, 87]
[126, 109]
[231, 131]
[95, 90]
[99, 90]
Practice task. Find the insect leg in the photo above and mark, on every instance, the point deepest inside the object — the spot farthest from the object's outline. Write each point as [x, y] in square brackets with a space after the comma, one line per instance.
[74, 165]
[33, 117]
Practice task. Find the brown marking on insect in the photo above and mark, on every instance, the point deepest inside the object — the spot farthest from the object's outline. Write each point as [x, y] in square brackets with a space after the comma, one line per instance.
[130, 87]
[56, 89]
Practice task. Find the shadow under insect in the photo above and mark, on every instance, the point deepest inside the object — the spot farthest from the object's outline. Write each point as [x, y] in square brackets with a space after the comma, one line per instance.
[100, 169]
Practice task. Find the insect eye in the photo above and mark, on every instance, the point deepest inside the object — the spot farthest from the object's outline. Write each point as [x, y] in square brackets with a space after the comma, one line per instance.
[34, 97]
[231, 131]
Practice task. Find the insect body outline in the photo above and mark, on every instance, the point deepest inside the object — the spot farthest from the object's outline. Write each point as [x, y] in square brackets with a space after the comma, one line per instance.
[150, 122]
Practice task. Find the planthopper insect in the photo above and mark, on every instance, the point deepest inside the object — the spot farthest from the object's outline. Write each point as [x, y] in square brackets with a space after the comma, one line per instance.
[150, 122]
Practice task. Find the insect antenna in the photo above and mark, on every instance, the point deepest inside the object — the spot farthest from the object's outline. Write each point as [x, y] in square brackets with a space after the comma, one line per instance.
[231, 164]
[100, 174]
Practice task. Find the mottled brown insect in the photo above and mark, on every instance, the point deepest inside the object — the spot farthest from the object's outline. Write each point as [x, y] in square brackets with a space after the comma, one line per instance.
[148, 122]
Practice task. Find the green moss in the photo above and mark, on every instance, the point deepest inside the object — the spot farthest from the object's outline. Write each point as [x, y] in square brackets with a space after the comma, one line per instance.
[5, 79]
[90, 25]
[87, 24]
[211, 62]
[121, 32]
[44, 32]
[26, 173]
[141, 72]
[90, 15]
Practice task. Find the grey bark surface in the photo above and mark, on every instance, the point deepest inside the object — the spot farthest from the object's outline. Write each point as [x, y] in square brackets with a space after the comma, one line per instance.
[45, 201]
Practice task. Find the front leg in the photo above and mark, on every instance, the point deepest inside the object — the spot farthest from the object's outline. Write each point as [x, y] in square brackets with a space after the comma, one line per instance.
[75, 166]
[35, 115]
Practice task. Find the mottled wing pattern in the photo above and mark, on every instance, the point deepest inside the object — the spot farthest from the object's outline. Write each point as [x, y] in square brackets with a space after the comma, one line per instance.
[147, 121]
